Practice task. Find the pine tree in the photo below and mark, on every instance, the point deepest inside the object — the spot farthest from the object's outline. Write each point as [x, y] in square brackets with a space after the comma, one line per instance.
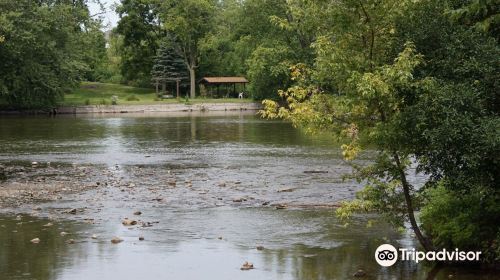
[168, 68]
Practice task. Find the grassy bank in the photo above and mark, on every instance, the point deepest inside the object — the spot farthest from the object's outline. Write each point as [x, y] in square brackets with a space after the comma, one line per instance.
[101, 93]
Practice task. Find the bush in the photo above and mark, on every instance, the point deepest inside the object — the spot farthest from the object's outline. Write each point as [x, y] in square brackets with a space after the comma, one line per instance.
[463, 221]
[87, 102]
[132, 98]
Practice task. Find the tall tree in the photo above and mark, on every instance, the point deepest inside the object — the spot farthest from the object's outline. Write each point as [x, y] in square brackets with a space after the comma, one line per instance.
[169, 67]
[402, 78]
[141, 33]
[355, 90]
[187, 23]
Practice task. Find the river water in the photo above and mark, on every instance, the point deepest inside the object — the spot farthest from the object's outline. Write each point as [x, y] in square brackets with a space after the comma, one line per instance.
[207, 185]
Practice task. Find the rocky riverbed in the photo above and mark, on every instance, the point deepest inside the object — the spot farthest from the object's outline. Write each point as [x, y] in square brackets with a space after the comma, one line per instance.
[37, 183]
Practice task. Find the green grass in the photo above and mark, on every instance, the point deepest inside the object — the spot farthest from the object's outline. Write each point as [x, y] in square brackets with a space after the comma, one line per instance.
[91, 93]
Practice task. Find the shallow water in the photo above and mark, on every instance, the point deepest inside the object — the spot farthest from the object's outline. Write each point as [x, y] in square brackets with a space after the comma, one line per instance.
[206, 185]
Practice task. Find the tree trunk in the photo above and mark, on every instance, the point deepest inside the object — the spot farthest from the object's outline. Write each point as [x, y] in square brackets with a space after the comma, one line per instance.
[192, 77]
[409, 206]
[177, 83]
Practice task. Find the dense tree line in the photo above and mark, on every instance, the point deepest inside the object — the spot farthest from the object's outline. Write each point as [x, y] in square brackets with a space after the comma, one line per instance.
[46, 48]
[259, 39]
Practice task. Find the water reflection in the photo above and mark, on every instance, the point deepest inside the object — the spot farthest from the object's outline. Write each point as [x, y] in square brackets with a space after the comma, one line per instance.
[125, 139]
[20, 259]
[192, 250]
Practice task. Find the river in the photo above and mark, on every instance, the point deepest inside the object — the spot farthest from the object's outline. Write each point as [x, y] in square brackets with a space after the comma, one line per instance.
[207, 186]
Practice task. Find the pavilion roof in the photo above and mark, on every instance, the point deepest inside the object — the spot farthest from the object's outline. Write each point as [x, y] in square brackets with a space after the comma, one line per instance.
[223, 80]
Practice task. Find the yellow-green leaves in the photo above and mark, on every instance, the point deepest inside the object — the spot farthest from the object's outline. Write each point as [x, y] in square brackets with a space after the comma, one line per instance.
[350, 151]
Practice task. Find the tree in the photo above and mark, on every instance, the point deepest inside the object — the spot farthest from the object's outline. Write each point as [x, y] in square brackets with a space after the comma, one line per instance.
[369, 109]
[454, 128]
[484, 15]
[356, 92]
[168, 67]
[402, 78]
[141, 33]
[187, 22]
[44, 50]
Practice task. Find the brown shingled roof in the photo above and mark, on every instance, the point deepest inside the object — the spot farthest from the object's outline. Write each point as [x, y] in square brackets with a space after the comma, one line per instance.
[224, 80]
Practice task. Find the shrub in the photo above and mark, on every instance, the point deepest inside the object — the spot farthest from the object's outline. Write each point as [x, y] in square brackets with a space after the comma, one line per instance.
[132, 98]
[463, 220]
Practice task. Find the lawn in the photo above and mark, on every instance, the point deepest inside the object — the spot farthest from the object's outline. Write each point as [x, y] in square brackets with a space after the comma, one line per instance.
[91, 93]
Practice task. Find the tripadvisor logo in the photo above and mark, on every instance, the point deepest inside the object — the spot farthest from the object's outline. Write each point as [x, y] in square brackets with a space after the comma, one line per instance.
[387, 255]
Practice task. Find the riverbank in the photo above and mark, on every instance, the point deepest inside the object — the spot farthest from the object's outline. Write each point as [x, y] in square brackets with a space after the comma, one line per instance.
[147, 108]
[179, 107]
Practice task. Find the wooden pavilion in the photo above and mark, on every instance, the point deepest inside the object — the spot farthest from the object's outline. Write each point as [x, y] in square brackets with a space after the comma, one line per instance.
[226, 82]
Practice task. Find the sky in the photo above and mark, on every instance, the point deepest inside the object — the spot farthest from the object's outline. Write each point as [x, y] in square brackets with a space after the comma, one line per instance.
[110, 17]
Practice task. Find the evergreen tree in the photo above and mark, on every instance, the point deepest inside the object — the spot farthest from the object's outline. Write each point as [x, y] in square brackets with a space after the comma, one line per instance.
[168, 67]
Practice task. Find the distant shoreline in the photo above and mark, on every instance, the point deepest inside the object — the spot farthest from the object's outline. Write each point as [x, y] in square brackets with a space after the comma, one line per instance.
[152, 108]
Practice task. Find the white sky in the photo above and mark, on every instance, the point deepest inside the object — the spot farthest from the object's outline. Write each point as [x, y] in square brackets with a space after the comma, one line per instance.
[110, 18]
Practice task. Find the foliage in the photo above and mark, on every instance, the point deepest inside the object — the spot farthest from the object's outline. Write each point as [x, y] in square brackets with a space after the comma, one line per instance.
[463, 221]
[268, 71]
[369, 108]
[47, 48]
[434, 108]
[187, 22]
[455, 127]
[141, 32]
[168, 67]
[133, 98]
[484, 15]
[110, 72]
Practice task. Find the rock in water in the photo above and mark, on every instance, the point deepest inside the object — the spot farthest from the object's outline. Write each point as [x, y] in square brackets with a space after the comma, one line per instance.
[35, 240]
[247, 266]
[71, 241]
[360, 273]
[116, 240]
[281, 206]
[128, 222]
[286, 190]
[137, 213]
[141, 238]
[94, 236]
[260, 248]
[63, 233]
